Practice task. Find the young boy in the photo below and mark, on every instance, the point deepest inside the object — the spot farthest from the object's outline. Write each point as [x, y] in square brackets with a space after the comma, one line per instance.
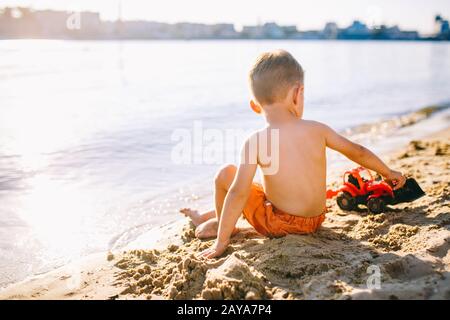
[292, 197]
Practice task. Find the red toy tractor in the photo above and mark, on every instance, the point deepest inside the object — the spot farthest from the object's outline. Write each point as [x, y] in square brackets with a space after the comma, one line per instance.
[361, 188]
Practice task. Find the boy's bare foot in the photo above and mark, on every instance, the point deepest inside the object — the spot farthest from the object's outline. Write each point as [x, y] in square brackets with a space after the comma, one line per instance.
[208, 229]
[195, 216]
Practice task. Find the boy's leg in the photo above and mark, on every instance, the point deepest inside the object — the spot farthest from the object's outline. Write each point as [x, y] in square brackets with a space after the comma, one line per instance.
[222, 181]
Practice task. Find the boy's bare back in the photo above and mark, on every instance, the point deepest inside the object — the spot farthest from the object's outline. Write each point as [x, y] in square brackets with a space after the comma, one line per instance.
[298, 186]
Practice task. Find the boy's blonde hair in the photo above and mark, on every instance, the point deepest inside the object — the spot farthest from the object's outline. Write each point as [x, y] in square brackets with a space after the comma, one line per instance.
[273, 74]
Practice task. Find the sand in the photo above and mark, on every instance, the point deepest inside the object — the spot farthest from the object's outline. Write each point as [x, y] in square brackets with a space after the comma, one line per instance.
[408, 247]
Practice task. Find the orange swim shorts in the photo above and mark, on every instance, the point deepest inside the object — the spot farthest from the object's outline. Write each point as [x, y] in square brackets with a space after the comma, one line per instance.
[274, 223]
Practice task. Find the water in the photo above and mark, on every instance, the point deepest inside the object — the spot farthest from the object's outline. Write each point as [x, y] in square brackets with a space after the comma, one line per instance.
[86, 128]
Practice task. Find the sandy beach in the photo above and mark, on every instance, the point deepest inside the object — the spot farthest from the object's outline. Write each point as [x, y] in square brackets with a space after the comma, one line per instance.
[408, 245]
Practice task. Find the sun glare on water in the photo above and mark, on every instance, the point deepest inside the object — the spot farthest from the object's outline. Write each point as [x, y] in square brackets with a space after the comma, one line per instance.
[55, 211]
[56, 214]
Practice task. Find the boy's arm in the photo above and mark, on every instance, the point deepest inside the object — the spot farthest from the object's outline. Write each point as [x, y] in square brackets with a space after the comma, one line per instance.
[362, 156]
[235, 201]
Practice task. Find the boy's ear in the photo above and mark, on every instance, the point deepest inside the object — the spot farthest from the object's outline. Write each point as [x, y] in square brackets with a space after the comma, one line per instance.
[255, 107]
[298, 93]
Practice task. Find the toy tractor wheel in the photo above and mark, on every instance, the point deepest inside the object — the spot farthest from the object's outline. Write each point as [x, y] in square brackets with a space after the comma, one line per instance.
[346, 201]
[376, 205]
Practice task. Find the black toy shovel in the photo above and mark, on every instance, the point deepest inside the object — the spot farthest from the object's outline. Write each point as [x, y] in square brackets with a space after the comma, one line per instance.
[409, 192]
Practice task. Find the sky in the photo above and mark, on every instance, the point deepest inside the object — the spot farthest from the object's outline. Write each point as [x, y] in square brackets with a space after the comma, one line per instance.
[305, 14]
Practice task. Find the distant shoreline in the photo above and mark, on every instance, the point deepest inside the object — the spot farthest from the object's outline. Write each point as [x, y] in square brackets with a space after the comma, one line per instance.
[236, 39]
[428, 39]
[23, 22]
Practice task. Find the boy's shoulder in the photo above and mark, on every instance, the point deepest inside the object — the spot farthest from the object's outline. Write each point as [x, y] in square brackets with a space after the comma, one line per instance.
[313, 127]
[312, 124]
[308, 124]
[268, 132]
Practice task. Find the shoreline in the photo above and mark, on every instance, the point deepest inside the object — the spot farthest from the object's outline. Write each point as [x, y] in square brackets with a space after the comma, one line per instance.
[98, 276]
[427, 39]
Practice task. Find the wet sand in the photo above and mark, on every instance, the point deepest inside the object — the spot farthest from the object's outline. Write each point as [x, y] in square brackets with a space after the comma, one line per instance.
[408, 245]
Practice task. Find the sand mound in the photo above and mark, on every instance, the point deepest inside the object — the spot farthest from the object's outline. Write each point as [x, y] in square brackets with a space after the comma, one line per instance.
[234, 280]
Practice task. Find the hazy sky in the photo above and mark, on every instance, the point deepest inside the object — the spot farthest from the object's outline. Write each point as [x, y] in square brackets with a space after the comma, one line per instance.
[306, 14]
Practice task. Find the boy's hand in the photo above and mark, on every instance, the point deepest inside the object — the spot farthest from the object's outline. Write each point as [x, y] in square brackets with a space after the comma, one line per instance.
[396, 179]
[215, 250]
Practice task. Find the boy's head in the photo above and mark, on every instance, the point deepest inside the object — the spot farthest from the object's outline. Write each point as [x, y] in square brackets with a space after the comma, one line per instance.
[276, 78]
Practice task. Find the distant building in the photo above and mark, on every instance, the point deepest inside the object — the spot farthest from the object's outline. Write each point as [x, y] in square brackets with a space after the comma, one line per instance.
[410, 35]
[186, 30]
[444, 26]
[27, 23]
[269, 30]
[357, 31]
[394, 33]
[17, 22]
[443, 30]
[272, 30]
[309, 35]
[252, 32]
[331, 31]
[290, 31]
[224, 31]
